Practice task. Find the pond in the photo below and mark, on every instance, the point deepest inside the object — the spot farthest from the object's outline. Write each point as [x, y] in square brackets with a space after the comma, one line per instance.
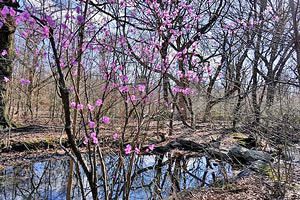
[153, 177]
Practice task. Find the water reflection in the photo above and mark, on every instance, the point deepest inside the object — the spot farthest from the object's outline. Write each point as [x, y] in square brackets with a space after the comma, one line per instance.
[153, 177]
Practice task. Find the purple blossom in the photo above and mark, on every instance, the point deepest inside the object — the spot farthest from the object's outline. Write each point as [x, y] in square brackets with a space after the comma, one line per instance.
[151, 147]
[93, 134]
[80, 106]
[5, 11]
[46, 31]
[180, 74]
[123, 89]
[12, 12]
[99, 102]
[73, 105]
[90, 107]
[67, 16]
[25, 34]
[95, 140]
[115, 136]
[137, 150]
[128, 149]
[124, 78]
[78, 9]
[85, 141]
[80, 19]
[50, 21]
[176, 89]
[209, 70]
[24, 81]
[141, 88]
[25, 15]
[4, 52]
[92, 124]
[132, 98]
[187, 91]
[105, 120]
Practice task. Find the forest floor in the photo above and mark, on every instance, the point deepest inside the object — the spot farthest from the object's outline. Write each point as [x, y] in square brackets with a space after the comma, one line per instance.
[33, 142]
[25, 145]
[248, 188]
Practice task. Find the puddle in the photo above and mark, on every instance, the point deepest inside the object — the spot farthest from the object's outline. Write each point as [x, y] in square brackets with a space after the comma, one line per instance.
[153, 177]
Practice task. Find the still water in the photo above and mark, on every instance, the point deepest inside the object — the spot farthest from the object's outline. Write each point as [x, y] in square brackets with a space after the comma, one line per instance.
[153, 177]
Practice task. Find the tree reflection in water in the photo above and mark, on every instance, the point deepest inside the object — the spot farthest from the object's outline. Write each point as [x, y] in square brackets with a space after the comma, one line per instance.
[153, 177]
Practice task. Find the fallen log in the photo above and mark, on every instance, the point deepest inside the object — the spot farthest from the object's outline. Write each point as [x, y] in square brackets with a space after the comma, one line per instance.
[186, 145]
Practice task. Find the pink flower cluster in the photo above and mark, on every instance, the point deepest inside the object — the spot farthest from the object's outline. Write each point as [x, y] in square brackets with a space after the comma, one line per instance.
[24, 81]
[123, 89]
[150, 148]
[209, 71]
[93, 137]
[115, 136]
[185, 91]
[189, 75]
[141, 88]
[7, 11]
[90, 107]
[92, 124]
[77, 106]
[99, 102]
[46, 31]
[4, 52]
[105, 120]
[24, 17]
[128, 149]
[131, 98]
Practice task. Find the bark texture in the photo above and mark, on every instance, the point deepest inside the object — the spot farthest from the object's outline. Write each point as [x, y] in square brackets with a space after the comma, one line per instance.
[6, 58]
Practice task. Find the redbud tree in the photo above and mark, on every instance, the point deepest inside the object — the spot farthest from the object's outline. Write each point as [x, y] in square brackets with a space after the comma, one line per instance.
[120, 65]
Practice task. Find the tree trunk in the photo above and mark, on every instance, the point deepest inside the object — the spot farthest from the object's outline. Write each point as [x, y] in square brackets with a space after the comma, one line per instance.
[6, 56]
[255, 104]
[294, 11]
[270, 93]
